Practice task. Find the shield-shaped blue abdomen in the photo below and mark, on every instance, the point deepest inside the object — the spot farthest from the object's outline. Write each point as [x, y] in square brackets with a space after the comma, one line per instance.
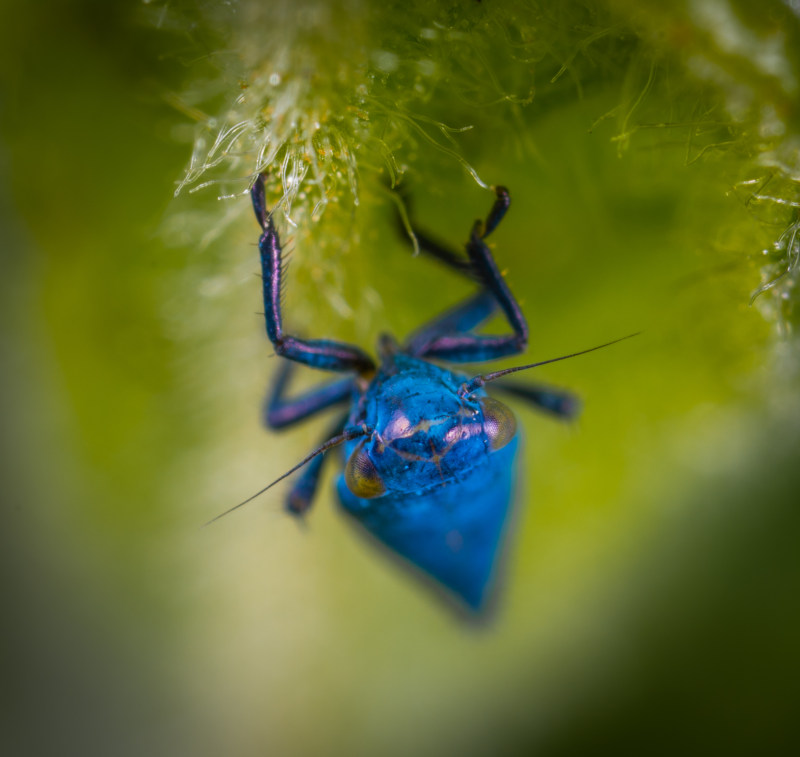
[436, 475]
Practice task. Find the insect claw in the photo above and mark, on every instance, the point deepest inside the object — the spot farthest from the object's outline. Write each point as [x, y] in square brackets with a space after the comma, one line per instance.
[499, 209]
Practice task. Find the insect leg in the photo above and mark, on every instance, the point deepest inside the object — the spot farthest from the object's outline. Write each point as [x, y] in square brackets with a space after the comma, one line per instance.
[463, 317]
[318, 353]
[432, 247]
[444, 254]
[465, 347]
[301, 495]
[442, 334]
[456, 260]
[280, 412]
[556, 401]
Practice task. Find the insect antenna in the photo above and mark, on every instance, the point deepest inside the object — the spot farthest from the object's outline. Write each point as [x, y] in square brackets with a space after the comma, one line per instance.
[345, 436]
[478, 381]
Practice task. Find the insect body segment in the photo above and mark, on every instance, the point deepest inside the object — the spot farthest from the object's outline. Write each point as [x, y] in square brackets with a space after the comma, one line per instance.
[430, 456]
[423, 433]
[442, 467]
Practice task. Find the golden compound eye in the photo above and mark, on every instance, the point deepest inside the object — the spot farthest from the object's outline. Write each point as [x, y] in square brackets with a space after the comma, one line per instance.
[499, 422]
[360, 475]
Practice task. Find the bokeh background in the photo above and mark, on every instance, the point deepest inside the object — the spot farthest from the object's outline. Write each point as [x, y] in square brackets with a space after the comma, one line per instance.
[650, 601]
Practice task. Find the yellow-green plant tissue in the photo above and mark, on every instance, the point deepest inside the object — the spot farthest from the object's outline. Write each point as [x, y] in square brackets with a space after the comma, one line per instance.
[648, 593]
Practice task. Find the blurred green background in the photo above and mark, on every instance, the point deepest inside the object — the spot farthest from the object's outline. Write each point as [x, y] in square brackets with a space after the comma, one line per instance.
[650, 603]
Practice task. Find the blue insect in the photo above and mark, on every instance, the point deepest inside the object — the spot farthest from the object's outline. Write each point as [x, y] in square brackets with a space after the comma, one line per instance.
[430, 456]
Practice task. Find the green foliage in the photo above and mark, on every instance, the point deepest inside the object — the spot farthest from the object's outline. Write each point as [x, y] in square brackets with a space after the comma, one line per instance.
[652, 154]
[332, 100]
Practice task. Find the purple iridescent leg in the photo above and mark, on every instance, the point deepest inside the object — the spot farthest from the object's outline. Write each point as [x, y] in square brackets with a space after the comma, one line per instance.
[325, 354]
[453, 342]
[280, 412]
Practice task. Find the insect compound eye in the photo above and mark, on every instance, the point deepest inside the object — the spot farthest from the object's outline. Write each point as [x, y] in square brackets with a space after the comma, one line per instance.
[499, 422]
[361, 476]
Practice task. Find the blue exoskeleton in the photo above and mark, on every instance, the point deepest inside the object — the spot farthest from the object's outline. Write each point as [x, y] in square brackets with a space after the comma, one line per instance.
[430, 456]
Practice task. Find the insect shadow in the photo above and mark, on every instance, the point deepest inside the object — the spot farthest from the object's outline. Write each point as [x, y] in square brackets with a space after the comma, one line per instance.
[430, 456]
